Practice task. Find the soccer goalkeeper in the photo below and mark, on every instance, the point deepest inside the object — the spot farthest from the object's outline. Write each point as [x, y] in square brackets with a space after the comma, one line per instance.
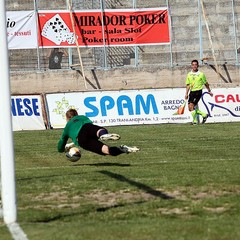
[85, 134]
[194, 83]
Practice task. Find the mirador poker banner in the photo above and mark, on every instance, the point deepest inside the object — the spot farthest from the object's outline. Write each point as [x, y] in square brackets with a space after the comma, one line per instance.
[108, 28]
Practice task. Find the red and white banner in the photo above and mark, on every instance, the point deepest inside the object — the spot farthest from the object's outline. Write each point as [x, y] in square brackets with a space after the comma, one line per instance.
[21, 30]
[27, 113]
[110, 28]
[224, 106]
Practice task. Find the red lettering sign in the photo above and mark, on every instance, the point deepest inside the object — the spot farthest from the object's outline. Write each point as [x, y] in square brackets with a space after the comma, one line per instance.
[110, 28]
[228, 98]
[219, 99]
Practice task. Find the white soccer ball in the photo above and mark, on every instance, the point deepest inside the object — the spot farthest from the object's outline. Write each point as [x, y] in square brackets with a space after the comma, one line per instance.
[74, 154]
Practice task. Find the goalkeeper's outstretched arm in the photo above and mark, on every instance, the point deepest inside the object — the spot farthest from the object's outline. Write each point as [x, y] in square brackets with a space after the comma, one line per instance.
[62, 142]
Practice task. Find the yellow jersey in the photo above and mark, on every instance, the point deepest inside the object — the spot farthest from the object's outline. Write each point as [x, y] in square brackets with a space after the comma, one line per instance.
[196, 80]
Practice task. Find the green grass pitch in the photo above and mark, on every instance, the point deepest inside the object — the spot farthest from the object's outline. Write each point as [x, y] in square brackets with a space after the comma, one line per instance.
[184, 184]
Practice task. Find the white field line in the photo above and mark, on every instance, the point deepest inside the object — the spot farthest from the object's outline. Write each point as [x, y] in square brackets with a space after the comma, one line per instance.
[1, 213]
[155, 162]
[16, 232]
[37, 168]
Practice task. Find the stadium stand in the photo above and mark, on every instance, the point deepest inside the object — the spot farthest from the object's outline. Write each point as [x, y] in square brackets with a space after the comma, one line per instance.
[185, 32]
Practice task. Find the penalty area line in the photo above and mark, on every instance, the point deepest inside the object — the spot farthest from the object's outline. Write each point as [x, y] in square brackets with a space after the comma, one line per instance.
[1, 213]
[39, 168]
[155, 162]
[16, 231]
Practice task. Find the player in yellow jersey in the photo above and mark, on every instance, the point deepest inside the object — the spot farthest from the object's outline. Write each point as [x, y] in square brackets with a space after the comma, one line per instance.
[194, 85]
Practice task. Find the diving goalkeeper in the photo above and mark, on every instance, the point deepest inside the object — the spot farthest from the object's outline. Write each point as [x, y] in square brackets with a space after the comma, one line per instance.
[85, 134]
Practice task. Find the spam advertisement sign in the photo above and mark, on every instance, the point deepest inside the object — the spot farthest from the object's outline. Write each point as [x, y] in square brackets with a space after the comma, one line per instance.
[132, 107]
[111, 108]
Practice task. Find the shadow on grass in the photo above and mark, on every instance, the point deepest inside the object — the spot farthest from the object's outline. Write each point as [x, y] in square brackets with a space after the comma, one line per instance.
[103, 209]
[139, 185]
[57, 217]
[118, 177]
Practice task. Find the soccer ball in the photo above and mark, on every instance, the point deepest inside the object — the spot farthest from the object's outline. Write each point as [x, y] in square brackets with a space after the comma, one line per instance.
[73, 154]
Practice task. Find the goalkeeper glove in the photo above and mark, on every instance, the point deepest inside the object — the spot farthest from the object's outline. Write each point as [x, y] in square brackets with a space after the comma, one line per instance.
[68, 146]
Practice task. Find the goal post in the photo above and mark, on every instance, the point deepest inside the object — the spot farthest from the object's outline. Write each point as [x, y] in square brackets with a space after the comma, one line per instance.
[8, 189]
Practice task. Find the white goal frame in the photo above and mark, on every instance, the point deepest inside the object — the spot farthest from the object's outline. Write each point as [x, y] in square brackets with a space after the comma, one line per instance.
[8, 189]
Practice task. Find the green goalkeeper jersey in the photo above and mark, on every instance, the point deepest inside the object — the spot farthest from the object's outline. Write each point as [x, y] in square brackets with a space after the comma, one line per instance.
[196, 80]
[71, 130]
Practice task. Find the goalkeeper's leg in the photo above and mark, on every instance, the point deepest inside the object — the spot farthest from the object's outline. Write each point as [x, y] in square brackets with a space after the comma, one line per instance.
[98, 147]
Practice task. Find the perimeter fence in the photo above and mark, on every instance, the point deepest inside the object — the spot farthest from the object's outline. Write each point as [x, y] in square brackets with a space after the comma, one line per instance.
[189, 35]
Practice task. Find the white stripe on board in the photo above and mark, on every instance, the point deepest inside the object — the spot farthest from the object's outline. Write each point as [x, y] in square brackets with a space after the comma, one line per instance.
[16, 232]
[133, 164]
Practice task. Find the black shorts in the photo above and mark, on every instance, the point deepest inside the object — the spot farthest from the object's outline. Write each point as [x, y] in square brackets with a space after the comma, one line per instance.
[88, 140]
[194, 97]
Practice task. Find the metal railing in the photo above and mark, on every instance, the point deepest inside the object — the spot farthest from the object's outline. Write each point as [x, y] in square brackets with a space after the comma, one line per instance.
[189, 39]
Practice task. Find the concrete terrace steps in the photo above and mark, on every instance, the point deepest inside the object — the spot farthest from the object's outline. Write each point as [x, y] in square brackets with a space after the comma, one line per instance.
[185, 56]
[185, 32]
